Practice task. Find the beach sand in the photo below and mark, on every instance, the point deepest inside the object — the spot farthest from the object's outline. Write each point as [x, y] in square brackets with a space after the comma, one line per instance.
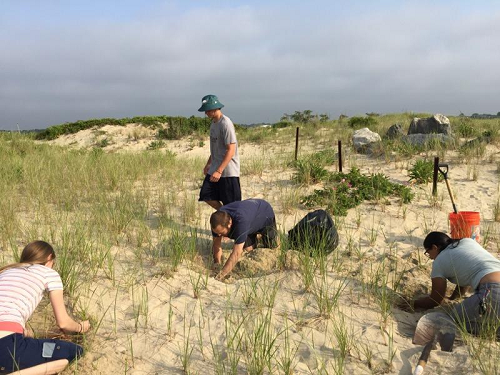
[386, 236]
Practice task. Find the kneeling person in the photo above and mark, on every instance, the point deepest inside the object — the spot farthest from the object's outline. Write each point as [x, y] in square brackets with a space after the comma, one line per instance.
[242, 221]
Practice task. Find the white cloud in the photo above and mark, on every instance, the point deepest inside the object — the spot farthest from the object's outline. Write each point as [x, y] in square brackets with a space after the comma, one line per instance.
[261, 61]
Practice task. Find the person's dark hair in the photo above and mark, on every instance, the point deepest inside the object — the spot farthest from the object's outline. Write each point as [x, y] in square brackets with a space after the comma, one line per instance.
[36, 252]
[219, 218]
[441, 240]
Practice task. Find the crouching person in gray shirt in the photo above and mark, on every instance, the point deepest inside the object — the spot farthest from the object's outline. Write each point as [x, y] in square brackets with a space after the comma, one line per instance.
[466, 264]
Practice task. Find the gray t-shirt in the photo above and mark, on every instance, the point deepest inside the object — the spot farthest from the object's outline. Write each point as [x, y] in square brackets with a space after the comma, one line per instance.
[222, 133]
[464, 265]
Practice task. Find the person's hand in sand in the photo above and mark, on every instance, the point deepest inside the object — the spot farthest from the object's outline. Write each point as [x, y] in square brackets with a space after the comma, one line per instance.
[242, 221]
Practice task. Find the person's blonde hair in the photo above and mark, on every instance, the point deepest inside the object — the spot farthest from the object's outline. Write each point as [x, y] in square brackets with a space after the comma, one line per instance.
[36, 252]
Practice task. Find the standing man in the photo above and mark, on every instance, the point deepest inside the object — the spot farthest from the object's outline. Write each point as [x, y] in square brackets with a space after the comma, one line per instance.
[222, 171]
[242, 221]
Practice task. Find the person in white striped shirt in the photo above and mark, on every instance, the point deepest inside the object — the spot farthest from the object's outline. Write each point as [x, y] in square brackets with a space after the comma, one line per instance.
[21, 288]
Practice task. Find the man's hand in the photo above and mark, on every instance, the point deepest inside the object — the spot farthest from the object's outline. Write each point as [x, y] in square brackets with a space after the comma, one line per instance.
[220, 276]
[216, 268]
[215, 176]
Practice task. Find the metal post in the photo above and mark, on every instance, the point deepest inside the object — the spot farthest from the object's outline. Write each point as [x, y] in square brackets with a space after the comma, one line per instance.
[435, 176]
[296, 143]
[340, 155]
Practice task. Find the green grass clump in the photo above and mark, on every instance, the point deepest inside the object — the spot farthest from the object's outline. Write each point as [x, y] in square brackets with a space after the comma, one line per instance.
[464, 126]
[422, 172]
[309, 172]
[345, 191]
[310, 169]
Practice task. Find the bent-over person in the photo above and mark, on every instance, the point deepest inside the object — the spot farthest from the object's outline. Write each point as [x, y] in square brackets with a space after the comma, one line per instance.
[466, 264]
[242, 221]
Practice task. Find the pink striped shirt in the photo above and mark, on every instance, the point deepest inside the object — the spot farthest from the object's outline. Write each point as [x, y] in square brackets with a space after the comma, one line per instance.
[21, 290]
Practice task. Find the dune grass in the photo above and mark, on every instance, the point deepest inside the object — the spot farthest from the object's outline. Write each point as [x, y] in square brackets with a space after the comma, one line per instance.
[123, 225]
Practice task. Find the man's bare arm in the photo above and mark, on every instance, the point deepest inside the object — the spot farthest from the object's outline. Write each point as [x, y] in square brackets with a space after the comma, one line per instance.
[230, 150]
[231, 261]
[217, 249]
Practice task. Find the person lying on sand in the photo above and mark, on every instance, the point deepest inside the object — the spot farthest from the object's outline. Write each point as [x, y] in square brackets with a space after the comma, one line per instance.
[467, 264]
[242, 221]
[21, 288]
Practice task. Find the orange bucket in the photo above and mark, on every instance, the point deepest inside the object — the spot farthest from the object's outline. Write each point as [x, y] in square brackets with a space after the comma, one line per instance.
[465, 224]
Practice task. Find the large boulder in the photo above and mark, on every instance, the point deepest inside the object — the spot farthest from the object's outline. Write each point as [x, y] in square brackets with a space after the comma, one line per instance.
[395, 131]
[423, 139]
[437, 124]
[363, 139]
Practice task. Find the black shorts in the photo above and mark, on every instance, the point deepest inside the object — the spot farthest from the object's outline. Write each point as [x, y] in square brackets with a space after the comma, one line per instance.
[18, 352]
[226, 190]
[269, 236]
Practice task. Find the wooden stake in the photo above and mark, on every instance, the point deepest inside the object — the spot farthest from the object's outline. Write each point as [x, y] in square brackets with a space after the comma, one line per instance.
[296, 143]
[340, 155]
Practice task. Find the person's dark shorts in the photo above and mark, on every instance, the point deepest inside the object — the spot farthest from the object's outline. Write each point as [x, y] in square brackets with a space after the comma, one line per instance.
[18, 352]
[269, 236]
[226, 190]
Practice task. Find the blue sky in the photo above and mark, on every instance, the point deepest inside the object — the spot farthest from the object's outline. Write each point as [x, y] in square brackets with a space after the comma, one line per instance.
[64, 61]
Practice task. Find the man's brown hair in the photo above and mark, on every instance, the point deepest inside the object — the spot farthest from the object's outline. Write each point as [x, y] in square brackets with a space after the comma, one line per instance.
[220, 218]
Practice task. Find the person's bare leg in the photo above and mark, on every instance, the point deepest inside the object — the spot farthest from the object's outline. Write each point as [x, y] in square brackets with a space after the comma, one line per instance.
[48, 368]
[214, 204]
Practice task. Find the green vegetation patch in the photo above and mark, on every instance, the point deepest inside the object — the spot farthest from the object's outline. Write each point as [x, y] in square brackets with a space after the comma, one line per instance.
[362, 122]
[176, 128]
[344, 191]
[311, 168]
[422, 172]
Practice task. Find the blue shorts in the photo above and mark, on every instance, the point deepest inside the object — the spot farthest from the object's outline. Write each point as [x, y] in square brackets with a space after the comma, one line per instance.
[269, 236]
[18, 352]
[226, 190]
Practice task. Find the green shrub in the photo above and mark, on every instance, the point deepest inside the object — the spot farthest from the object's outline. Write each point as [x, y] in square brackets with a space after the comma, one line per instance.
[155, 145]
[309, 172]
[361, 122]
[282, 124]
[345, 191]
[177, 126]
[324, 157]
[422, 172]
[103, 143]
[465, 127]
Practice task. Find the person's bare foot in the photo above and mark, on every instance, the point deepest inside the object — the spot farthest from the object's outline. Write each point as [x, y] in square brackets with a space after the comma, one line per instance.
[248, 249]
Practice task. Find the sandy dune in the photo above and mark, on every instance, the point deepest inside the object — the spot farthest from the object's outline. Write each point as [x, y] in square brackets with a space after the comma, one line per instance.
[132, 344]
